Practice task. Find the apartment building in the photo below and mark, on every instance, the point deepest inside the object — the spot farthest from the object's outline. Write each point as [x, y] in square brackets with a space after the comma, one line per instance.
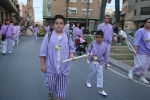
[23, 11]
[125, 6]
[134, 12]
[9, 9]
[77, 10]
[30, 12]
[141, 11]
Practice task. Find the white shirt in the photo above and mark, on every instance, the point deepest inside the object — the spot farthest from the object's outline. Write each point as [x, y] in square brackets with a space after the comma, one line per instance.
[16, 29]
[122, 33]
[19, 28]
[58, 58]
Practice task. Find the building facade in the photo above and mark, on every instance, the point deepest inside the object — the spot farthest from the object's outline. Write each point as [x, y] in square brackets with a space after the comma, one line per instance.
[134, 12]
[141, 11]
[23, 12]
[77, 10]
[9, 9]
[30, 12]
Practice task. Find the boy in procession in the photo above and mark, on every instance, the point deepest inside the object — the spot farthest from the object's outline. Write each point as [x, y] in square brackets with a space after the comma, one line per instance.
[56, 47]
[98, 56]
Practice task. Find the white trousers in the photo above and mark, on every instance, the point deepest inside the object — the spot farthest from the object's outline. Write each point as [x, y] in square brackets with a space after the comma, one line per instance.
[35, 34]
[17, 37]
[98, 69]
[7, 45]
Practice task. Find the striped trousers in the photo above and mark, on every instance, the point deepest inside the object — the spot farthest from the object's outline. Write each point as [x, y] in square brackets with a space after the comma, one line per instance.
[141, 69]
[98, 69]
[58, 84]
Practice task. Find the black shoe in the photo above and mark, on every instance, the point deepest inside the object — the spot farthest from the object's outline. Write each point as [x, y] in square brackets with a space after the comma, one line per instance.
[50, 96]
[3, 53]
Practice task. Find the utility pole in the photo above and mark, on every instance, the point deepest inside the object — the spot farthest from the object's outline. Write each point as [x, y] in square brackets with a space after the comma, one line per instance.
[117, 11]
[102, 10]
[88, 4]
[67, 6]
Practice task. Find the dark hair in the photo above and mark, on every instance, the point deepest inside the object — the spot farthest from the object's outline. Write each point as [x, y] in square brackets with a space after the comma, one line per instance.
[146, 20]
[99, 32]
[141, 26]
[106, 16]
[59, 17]
[79, 25]
[6, 20]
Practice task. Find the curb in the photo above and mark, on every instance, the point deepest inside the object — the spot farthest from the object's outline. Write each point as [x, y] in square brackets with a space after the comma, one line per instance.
[124, 67]
[0, 48]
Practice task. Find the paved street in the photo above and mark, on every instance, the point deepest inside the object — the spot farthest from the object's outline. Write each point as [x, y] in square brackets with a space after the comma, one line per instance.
[21, 78]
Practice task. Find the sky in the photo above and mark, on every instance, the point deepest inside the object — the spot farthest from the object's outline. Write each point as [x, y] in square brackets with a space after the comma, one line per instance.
[37, 4]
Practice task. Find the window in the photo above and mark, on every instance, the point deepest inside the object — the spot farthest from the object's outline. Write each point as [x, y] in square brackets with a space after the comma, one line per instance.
[135, 1]
[48, 2]
[90, 11]
[48, 11]
[6, 14]
[85, 1]
[134, 12]
[124, 1]
[72, 10]
[72, 0]
[2, 18]
[145, 11]
[84, 11]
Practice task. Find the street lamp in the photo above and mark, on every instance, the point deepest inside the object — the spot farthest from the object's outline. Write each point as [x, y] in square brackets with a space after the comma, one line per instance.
[67, 5]
[88, 3]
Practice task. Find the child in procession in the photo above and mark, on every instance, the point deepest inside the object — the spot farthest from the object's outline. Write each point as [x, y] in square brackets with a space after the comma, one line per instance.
[36, 29]
[98, 57]
[54, 49]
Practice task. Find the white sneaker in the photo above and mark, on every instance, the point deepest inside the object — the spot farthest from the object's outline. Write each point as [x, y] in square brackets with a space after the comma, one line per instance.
[9, 52]
[142, 79]
[108, 65]
[88, 85]
[130, 74]
[103, 93]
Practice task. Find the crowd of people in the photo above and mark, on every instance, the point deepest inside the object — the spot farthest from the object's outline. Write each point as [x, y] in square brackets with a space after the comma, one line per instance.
[9, 35]
[58, 46]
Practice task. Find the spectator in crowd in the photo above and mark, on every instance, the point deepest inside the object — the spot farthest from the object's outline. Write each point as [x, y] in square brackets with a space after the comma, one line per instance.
[121, 35]
[66, 28]
[115, 28]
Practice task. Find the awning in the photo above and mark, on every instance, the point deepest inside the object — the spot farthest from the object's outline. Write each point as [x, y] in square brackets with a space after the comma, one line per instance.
[7, 5]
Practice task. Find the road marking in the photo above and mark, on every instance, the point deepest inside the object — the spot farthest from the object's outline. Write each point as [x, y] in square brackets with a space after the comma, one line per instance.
[127, 77]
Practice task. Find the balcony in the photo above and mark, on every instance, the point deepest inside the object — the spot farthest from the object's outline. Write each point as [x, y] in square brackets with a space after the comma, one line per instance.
[8, 5]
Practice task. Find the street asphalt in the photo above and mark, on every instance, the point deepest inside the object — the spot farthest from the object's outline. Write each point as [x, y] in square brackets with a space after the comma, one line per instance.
[21, 78]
